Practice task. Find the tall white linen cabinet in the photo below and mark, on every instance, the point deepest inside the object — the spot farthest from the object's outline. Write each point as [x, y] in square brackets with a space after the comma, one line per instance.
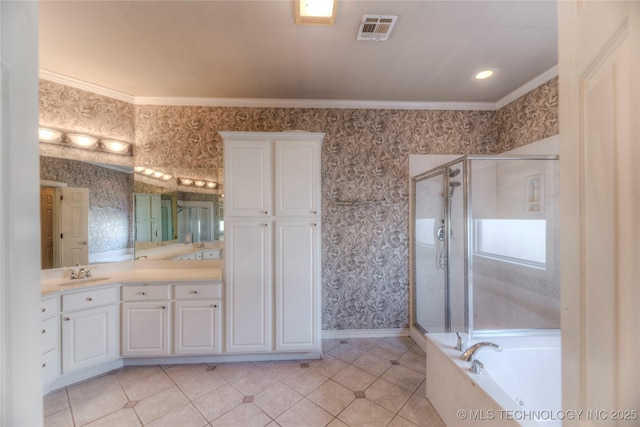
[272, 241]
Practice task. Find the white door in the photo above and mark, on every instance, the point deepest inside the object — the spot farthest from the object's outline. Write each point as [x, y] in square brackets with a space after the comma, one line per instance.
[297, 275]
[248, 286]
[148, 218]
[74, 226]
[88, 338]
[247, 167]
[145, 328]
[197, 327]
[297, 171]
[600, 205]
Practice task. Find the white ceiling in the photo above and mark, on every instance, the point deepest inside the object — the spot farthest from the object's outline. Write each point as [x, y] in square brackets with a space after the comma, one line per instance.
[253, 49]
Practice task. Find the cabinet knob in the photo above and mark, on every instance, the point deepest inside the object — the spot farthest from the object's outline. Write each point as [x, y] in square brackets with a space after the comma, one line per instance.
[144, 293]
[67, 319]
[43, 310]
[195, 292]
[315, 212]
[89, 299]
[265, 212]
[265, 225]
[44, 330]
[314, 224]
[164, 306]
[44, 364]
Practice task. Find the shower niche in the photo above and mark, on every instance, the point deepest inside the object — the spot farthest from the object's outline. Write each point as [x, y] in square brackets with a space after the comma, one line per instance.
[485, 245]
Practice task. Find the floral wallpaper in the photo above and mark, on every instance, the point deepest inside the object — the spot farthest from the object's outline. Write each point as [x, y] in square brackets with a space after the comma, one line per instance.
[365, 244]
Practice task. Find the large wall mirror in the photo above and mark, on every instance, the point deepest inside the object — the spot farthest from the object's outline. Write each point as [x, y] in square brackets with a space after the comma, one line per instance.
[178, 214]
[86, 212]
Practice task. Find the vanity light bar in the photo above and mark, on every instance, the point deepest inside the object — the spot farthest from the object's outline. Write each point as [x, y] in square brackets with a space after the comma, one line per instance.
[197, 183]
[87, 142]
[152, 173]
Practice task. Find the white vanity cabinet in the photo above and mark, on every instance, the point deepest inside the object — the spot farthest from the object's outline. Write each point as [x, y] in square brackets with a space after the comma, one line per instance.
[146, 315]
[49, 337]
[89, 328]
[197, 319]
[272, 240]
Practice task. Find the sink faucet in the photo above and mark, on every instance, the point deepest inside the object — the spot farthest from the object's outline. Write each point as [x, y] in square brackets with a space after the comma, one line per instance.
[84, 273]
[469, 354]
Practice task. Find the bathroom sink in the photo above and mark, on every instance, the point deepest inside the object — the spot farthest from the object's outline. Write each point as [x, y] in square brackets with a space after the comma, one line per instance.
[87, 281]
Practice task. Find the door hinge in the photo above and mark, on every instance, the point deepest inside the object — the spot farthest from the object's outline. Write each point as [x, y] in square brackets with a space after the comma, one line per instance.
[61, 197]
[61, 235]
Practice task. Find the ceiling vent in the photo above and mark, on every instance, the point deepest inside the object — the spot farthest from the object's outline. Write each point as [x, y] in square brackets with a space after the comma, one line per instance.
[376, 27]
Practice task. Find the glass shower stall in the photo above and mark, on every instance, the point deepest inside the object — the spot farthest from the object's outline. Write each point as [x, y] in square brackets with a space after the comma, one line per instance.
[485, 245]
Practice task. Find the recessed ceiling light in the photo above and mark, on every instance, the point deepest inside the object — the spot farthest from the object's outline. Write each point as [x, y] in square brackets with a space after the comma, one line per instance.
[484, 74]
[315, 12]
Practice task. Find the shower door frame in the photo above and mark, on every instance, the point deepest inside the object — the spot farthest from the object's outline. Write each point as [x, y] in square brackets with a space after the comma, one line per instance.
[444, 170]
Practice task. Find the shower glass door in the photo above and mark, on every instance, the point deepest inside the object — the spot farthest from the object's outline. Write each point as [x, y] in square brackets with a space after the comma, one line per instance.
[430, 254]
[456, 243]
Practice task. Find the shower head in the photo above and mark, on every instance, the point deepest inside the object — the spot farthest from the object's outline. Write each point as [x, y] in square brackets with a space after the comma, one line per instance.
[454, 172]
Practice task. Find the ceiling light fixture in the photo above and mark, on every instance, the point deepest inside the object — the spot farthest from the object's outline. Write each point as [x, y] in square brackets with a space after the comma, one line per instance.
[484, 74]
[315, 12]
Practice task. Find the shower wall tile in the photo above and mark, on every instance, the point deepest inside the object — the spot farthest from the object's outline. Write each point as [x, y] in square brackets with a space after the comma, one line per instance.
[365, 259]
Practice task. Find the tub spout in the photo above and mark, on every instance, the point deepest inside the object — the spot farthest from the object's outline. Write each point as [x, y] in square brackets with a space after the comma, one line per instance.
[469, 353]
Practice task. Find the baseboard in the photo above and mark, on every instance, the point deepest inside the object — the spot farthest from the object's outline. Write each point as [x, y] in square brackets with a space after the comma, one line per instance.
[364, 333]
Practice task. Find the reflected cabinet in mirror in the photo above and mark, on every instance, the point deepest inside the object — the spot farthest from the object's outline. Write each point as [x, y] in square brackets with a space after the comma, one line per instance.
[178, 214]
[86, 212]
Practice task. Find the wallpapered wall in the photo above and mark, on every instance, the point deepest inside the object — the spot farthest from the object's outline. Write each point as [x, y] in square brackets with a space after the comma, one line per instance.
[365, 262]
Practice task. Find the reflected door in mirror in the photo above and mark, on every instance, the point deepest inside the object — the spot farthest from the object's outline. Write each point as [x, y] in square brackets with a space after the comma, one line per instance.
[148, 218]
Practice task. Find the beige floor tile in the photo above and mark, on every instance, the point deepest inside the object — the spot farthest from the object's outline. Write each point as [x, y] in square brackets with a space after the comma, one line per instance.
[304, 414]
[364, 413]
[55, 401]
[277, 399]
[415, 361]
[336, 423]
[405, 343]
[159, 404]
[218, 402]
[422, 389]
[184, 416]
[346, 352]
[372, 363]
[388, 351]
[419, 411]
[279, 369]
[129, 373]
[328, 344]
[87, 389]
[61, 418]
[245, 415]
[304, 381]
[121, 418]
[404, 377]
[179, 373]
[253, 382]
[230, 371]
[332, 397]
[365, 344]
[97, 405]
[328, 366]
[142, 387]
[398, 421]
[387, 395]
[198, 385]
[353, 378]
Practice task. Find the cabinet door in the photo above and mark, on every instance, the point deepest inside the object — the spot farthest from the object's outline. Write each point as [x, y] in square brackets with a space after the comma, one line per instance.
[297, 287]
[88, 338]
[145, 328]
[247, 266]
[197, 327]
[247, 168]
[297, 174]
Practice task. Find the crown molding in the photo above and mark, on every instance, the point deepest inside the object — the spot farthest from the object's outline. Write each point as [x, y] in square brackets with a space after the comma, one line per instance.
[301, 103]
[82, 85]
[527, 87]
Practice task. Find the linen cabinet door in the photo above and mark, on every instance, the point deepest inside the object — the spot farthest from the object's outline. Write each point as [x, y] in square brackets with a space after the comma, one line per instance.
[297, 287]
[297, 178]
[248, 285]
[247, 167]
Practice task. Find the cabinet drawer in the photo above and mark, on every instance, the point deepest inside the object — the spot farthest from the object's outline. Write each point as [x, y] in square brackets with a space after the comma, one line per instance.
[48, 308]
[198, 291]
[49, 366]
[48, 334]
[211, 254]
[145, 292]
[88, 299]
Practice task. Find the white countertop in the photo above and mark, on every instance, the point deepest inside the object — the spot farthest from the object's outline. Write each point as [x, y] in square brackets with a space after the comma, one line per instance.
[133, 272]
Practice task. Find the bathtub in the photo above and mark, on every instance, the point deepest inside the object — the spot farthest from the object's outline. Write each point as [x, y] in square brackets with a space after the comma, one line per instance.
[519, 386]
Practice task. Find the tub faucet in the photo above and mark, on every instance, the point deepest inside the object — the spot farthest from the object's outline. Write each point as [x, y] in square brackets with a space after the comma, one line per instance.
[469, 354]
[459, 342]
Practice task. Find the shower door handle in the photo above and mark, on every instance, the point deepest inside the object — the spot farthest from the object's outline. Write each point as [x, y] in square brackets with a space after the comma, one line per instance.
[440, 233]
